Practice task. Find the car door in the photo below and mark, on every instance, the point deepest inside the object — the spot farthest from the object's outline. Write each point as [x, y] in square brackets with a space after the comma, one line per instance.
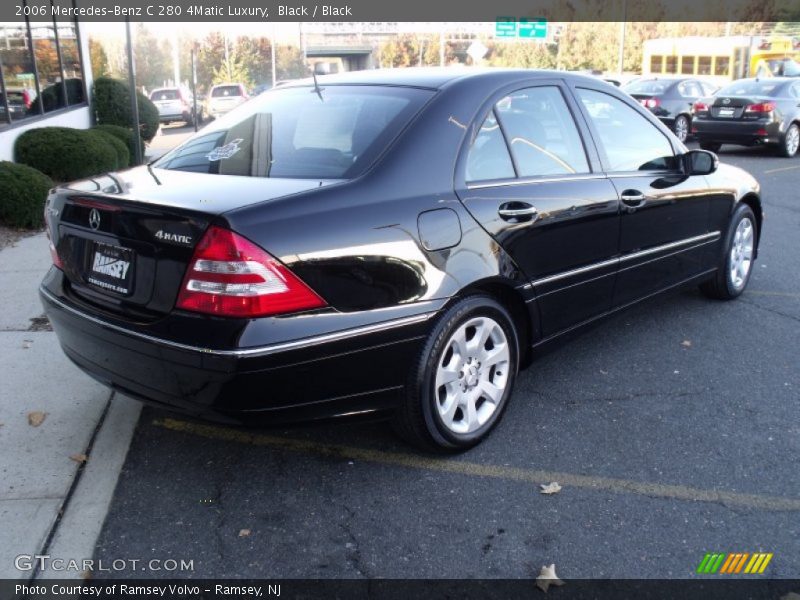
[664, 219]
[532, 182]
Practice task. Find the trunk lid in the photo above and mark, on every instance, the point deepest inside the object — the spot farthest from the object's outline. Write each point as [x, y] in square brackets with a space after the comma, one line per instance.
[125, 239]
[728, 108]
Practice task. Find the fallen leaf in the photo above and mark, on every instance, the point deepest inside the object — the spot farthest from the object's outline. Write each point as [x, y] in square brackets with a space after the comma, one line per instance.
[547, 577]
[244, 532]
[686, 343]
[550, 488]
[79, 458]
[36, 418]
[26, 344]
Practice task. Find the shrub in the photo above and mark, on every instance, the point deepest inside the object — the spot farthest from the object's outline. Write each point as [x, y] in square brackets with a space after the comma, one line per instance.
[65, 154]
[121, 150]
[112, 106]
[23, 192]
[125, 135]
[53, 96]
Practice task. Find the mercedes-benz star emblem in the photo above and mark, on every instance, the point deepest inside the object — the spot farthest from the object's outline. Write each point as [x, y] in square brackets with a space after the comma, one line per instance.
[726, 100]
[94, 218]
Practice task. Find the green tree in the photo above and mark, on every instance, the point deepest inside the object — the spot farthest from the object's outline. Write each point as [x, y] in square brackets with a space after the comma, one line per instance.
[522, 54]
[153, 58]
[256, 55]
[289, 63]
[233, 68]
[99, 59]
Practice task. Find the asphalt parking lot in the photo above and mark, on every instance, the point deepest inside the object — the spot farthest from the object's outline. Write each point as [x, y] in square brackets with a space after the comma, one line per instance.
[673, 429]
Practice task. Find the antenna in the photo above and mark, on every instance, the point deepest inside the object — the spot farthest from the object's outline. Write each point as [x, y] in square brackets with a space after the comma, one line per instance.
[316, 86]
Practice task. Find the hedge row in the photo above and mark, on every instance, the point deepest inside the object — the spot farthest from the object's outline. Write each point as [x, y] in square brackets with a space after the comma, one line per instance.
[23, 192]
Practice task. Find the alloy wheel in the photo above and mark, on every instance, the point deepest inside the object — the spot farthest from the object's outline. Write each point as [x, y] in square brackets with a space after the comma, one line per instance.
[741, 255]
[682, 128]
[472, 375]
[792, 140]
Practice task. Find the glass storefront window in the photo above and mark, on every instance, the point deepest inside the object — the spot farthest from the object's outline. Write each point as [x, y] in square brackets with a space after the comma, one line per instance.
[17, 61]
[39, 49]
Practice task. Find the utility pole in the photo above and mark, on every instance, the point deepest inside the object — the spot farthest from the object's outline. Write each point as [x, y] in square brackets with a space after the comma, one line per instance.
[134, 103]
[621, 58]
[274, 53]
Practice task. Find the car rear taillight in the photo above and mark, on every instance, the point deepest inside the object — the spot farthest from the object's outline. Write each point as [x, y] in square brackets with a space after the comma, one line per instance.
[700, 107]
[763, 107]
[229, 276]
[651, 102]
[53, 251]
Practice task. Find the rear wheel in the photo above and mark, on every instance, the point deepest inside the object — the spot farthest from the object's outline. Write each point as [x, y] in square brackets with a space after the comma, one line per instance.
[463, 378]
[736, 259]
[790, 141]
[711, 146]
[681, 127]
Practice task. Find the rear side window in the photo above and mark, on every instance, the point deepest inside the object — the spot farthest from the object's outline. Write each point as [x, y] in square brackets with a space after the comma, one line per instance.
[165, 95]
[630, 141]
[293, 133]
[488, 157]
[541, 133]
[221, 91]
[750, 88]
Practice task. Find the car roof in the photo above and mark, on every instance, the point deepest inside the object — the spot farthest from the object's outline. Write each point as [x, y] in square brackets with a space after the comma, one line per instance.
[434, 77]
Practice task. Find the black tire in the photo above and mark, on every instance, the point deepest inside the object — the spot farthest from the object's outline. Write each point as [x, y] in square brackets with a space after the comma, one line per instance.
[786, 149]
[721, 286]
[417, 420]
[682, 127]
[711, 146]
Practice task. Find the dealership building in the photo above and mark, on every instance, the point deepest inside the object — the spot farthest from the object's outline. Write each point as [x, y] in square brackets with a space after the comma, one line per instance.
[45, 78]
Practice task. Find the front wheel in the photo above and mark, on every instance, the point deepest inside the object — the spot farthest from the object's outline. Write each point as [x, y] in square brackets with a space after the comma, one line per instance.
[790, 141]
[681, 127]
[461, 383]
[735, 264]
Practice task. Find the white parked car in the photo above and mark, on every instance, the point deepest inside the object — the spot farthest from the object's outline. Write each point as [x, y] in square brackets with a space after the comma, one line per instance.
[175, 104]
[224, 97]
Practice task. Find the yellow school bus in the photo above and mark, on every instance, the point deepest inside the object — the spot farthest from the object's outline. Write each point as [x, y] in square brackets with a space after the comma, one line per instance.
[720, 59]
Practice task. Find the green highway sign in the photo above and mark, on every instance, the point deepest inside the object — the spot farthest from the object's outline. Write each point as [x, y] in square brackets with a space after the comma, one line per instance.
[505, 27]
[532, 28]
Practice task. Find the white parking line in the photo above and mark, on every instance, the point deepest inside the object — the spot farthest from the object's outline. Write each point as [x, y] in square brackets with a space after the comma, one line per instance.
[769, 171]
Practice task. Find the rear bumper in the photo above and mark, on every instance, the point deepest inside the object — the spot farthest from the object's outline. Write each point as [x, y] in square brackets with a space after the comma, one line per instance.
[737, 132]
[167, 118]
[331, 374]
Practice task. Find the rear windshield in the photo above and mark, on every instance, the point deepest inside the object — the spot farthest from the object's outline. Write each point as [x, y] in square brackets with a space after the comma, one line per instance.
[648, 86]
[294, 133]
[165, 95]
[750, 88]
[226, 90]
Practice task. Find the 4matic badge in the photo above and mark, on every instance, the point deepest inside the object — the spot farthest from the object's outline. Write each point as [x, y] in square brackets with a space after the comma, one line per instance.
[166, 236]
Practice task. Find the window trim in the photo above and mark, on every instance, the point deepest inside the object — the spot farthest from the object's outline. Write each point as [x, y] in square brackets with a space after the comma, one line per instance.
[10, 123]
[647, 115]
[593, 160]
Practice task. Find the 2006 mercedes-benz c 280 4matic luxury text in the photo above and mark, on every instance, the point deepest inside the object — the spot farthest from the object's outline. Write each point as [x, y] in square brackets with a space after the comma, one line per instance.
[394, 241]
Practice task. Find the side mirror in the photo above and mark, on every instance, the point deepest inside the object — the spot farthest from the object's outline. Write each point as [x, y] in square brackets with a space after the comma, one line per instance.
[700, 162]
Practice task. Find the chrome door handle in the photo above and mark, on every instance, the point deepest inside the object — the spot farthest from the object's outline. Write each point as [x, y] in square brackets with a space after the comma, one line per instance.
[632, 198]
[521, 211]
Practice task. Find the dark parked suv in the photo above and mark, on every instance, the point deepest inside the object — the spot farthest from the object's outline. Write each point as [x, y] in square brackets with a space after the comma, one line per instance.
[671, 100]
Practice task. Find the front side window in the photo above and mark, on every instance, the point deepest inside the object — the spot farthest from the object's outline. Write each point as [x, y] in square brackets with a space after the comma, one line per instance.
[293, 133]
[630, 141]
[488, 156]
[541, 133]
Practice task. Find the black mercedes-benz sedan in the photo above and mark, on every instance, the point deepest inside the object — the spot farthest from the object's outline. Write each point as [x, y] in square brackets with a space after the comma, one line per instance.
[671, 99]
[391, 242]
[751, 112]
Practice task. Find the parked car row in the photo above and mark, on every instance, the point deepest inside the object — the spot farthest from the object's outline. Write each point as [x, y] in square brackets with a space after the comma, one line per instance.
[178, 104]
[747, 112]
